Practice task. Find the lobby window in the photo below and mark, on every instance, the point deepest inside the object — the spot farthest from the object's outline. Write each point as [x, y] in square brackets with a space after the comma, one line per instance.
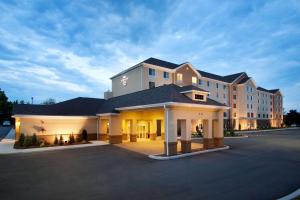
[166, 75]
[234, 96]
[207, 83]
[151, 72]
[234, 105]
[151, 84]
[199, 97]
[179, 77]
[234, 88]
[194, 80]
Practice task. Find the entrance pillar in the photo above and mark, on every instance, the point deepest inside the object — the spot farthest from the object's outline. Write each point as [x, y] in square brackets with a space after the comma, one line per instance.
[115, 129]
[153, 129]
[208, 141]
[170, 132]
[186, 145]
[219, 131]
[133, 133]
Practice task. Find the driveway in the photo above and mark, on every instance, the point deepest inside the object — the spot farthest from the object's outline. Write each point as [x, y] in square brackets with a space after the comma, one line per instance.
[258, 167]
[4, 130]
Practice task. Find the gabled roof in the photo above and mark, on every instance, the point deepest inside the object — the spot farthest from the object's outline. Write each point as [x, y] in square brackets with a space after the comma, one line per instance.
[74, 107]
[161, 94]
[244, 80]
[228, 79]
[92, 106]
[192, 87]
[273, 91]
[161, 63]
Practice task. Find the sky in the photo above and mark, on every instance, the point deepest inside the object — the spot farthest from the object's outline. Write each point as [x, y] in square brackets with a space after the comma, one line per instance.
[66, 49]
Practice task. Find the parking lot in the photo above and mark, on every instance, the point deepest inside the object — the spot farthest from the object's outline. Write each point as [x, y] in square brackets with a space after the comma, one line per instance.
[4, 131]
[263, 166]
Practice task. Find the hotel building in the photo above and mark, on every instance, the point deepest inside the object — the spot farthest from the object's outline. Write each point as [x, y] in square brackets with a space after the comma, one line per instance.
[155, 100]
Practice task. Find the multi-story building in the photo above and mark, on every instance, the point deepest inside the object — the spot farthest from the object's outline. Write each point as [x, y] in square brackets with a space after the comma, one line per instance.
[158, 100]
[250, 107]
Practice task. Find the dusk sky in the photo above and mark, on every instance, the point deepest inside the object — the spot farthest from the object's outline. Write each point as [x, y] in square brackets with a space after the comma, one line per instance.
[65, 49]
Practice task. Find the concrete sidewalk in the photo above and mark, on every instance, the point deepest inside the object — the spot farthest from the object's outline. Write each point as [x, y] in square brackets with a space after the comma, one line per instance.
[7, 147]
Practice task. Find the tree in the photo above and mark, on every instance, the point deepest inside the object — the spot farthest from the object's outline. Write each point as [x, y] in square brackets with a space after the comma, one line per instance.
[5, 106]
[49, 101]
[293, 117]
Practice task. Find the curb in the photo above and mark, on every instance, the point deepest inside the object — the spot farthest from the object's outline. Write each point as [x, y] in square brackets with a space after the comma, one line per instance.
[158, 157]
[291, 196]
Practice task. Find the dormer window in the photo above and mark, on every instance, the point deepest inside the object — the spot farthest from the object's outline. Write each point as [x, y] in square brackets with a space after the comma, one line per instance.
[200, 82]
[199, 97]
[151, 72]
[194, 80]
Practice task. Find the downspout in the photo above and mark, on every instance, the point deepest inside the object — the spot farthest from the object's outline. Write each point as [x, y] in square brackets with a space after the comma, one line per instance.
[167, 128]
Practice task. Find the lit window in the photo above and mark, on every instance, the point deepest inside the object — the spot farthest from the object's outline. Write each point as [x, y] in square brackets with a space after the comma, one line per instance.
[166, 75]
[194, 80]
[179, 77]
[151, 72]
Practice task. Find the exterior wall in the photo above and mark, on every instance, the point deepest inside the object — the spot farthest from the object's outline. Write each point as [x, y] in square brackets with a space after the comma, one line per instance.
[277, 120]
[134, 82]
[58, 126]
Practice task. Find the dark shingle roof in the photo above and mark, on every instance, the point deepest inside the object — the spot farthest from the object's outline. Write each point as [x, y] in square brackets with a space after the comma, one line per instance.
[92, 106]
[191, 87]
[161, 63]
[273, 91]
[228, 79]
[74, 107]
[162, 94]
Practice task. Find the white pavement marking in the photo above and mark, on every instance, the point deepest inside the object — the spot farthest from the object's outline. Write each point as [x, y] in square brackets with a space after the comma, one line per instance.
[159, 157]
[291, 196]
[7, 147]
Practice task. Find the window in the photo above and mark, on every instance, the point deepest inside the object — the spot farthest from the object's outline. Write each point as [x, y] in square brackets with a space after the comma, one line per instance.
[251, 98]
[247, 105]
[271, 116]
[247, 88]
[179, 77]
[234, 88]
[251, 89]
[251, 106]
[263, 115]
[258, 115]
[151, 72]
[234, 114]
[234, 105]
[207, 83]
[199, 97]
[247, 97]
[151, 84]
[166, 75]
[234, 96]
[224, 95]
[194, 80]
[252, 115]
[267, 116]
[217, 95]
[271, 109]
[248, 115]
[225, 114]
[217, 85]
[224, 87]
[200, 82]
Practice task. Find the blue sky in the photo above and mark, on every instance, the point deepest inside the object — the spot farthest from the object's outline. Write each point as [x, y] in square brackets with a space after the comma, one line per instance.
[65, 49]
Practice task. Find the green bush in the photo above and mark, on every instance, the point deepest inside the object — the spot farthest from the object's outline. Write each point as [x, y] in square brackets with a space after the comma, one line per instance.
[71, 139]
[34, 140]
[21, 139]
[28, 141]
[56, 140]
[84, 135]
[61, 140]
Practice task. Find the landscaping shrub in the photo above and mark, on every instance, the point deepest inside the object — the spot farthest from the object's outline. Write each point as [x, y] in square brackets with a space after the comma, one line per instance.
[28, 141]
[21, 139]
[71, 139]
[84, 135]
[78, 138]
[34, 140]
[55, 140]
[61, 140]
